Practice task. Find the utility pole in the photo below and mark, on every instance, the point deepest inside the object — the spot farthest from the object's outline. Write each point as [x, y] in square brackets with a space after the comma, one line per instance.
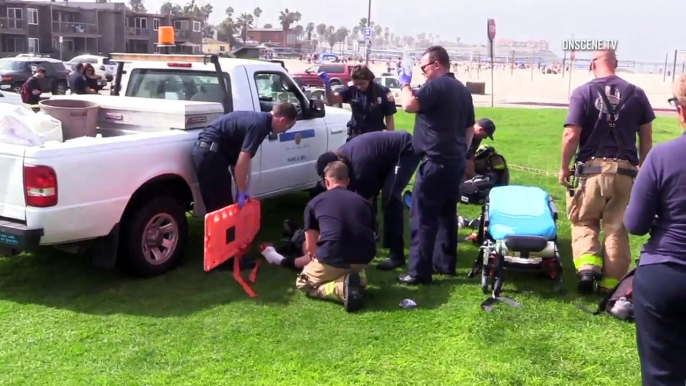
[369, 25]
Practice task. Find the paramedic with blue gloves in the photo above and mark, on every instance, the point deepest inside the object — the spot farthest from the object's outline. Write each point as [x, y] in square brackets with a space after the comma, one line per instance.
[232, 140]
[658, 207]
[380, 162]
[443, 130]
[605, 165]
[372, 104]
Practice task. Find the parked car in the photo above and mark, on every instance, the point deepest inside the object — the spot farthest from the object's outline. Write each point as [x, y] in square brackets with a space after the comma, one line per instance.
[15, 71]
[338, 73]
[392, 83]
[102, 64]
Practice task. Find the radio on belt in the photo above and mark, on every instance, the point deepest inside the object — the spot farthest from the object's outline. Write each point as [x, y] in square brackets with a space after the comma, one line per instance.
[146, 114]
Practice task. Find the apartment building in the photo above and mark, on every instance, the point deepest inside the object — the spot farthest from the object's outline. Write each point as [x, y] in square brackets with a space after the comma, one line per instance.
[64, 30]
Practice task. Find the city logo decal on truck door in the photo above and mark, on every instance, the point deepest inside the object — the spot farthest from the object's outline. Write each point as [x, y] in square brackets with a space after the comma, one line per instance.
[296, 136]
[298, 146]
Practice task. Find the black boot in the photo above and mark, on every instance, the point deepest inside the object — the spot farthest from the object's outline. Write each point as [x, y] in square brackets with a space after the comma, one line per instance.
[392, 262]
[586, 283]
[353, 292]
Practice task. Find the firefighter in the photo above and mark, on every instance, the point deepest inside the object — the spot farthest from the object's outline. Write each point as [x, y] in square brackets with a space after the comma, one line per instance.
[605, 116]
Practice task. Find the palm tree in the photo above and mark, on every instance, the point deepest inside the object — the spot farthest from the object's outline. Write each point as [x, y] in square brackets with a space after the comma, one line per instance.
[257, 12]
[308, 30]
[356, 31]
[297, 16]
[286, 19]
[341, 34]
[332, 39]
[245, 20]
[363, 22]
[378, 37]
[299, 31]
[229, 12]
[321, 32]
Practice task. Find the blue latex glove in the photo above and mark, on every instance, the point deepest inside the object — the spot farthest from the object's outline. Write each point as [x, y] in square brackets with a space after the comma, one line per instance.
[404, 76]
[325, 78]
[242, 198]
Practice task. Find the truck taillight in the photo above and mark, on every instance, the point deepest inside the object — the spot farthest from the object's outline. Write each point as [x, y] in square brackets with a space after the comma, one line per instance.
[40, 186]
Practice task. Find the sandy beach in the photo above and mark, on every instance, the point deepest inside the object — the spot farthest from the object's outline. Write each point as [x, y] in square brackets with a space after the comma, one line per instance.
[521, 85]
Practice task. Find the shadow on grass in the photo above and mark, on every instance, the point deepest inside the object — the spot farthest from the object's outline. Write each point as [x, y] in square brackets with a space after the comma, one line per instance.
[536, 284]
[60, 280]
[385, 294]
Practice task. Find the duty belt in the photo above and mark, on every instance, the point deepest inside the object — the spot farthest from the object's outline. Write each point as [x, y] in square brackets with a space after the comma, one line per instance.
[582, 170]
[211, 146]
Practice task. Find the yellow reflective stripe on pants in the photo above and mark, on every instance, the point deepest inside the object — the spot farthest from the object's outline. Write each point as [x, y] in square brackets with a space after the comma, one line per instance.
[499, 167]
[588, 259]
[328, 290]
[608, 282]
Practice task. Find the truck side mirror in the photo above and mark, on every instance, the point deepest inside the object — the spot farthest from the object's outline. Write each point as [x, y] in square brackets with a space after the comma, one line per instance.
[317, 108]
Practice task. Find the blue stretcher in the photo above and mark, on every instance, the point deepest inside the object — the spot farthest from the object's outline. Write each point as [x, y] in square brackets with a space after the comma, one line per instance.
[518, 231]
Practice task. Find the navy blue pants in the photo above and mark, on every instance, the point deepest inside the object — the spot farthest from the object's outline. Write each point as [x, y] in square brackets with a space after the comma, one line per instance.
[660, 313]
[433, 224]
[392, 204]
[214, 178]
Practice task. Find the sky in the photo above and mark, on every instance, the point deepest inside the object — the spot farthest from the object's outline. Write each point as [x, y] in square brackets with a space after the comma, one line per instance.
[645, 29]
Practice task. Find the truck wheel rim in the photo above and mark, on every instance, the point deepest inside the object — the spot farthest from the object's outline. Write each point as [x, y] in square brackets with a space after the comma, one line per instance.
[160, 237]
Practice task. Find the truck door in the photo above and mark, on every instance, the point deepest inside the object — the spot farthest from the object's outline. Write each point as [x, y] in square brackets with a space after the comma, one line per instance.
[287, 160]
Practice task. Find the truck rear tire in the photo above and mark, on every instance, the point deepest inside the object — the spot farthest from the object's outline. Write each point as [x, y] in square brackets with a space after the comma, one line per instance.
[153, 237]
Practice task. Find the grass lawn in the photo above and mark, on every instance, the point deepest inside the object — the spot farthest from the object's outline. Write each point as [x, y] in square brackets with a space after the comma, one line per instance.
[65, 323]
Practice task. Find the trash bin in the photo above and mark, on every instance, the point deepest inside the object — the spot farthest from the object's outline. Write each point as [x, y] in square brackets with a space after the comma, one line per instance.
[79, 118]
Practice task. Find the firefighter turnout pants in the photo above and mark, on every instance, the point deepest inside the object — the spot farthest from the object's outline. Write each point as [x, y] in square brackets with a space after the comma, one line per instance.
[599, 202]
[326, 282]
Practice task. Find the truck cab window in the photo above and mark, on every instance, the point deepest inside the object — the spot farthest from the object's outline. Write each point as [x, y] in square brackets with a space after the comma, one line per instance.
[273, 88]
[201, 86]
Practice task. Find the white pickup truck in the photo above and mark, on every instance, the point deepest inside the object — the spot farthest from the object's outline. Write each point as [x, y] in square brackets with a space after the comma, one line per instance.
[123, 195]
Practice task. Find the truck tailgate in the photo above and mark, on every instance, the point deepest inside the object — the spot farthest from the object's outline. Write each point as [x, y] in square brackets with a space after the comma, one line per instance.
[12, 203]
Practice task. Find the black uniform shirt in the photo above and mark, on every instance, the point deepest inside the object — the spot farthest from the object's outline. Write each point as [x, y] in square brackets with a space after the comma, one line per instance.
[372, 156]
[345, 225]
[238, 131]
[447, 111]
[368, 107]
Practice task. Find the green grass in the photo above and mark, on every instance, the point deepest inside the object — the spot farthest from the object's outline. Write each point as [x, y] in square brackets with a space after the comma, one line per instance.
[66, 323]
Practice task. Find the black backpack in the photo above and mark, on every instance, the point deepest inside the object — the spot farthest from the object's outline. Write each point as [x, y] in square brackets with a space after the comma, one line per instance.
[619, 302]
